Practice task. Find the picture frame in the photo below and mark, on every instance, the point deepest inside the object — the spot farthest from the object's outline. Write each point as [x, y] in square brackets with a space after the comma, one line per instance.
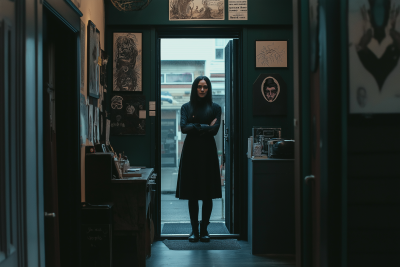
[196, 10]
[271, 53]
[373, 69]
[125, 115]
[93, 54]
[127, 61]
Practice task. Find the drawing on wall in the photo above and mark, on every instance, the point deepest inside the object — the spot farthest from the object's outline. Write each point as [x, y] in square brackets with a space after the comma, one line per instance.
[125, 110]
[93, 59]
[96, 126]
[374, 51]
[90, 124]
[271, 54]
[196, 10]
[269, 95]
[82, 48]
[127, 62]
[83, 120]
[270, 89]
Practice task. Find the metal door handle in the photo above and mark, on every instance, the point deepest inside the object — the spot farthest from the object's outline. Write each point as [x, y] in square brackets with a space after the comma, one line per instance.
[50, 214]
[309, 179]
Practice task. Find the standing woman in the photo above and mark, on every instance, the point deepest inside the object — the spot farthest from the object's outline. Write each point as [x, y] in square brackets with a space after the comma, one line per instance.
[199, 177]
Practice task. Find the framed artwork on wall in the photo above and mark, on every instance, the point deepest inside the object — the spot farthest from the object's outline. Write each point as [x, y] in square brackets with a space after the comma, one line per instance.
[128, 114]
[196, 10]
[373, 54]
[269, 95]
[93, 54]
[82, 48]
[271, 54]
[127, 61]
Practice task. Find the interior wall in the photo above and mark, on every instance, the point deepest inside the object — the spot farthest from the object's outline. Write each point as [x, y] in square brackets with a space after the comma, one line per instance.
[267, 20]
[278, 26]
[92, 10]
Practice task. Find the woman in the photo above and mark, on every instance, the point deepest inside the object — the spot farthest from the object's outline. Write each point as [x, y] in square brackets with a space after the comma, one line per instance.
[199, 177]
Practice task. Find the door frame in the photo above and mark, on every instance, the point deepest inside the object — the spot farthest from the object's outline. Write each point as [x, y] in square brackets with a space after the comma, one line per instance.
[238, 168]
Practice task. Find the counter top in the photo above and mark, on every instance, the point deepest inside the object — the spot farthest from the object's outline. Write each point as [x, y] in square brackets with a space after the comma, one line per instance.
[265, 158]
[145, 176]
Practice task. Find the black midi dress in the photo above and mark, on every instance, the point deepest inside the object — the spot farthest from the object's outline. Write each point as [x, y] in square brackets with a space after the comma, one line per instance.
[199, 175]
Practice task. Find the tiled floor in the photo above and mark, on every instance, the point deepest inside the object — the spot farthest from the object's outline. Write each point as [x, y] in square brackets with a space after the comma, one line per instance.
[162, 256]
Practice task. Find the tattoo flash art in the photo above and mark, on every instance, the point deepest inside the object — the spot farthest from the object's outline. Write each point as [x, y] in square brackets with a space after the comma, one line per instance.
[93, 57]
[271, 54]
[125, 115]
[196, 10]
[127, 62]
[374, 52]
[270, 89]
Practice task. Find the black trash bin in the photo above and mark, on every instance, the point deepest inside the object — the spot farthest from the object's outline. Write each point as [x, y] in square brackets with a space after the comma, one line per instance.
[96, 235]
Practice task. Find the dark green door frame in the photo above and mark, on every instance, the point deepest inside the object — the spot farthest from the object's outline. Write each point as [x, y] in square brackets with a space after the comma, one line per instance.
[238, 169]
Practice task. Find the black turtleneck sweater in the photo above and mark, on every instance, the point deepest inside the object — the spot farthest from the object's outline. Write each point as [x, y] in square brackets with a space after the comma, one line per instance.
[199, 176]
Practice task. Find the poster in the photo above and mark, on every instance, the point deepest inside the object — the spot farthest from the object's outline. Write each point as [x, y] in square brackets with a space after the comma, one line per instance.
[237, 10]
[196, 10]
[126, 115]
[127, 62]
[374, 52]
[83, 120]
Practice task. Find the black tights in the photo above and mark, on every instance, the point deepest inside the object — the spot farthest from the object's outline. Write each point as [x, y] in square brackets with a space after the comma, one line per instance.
[205, 210]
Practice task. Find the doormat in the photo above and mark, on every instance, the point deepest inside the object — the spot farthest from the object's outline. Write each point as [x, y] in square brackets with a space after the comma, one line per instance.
[214, 244]
[186, 228]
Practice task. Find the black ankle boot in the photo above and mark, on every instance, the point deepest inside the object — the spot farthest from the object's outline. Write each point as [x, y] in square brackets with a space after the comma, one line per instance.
[204, 236]
[194, 236]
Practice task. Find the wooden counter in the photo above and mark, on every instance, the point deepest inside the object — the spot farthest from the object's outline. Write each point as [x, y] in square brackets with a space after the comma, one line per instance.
[132, 216]
[131, 198]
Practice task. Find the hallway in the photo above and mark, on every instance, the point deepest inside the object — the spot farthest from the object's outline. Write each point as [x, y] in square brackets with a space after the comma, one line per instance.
[162, 256]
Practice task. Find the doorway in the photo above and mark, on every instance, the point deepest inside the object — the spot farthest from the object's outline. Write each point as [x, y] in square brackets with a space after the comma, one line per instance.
[181, 61]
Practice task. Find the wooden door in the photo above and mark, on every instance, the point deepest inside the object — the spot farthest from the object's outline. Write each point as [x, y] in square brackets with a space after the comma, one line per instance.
[50, 159]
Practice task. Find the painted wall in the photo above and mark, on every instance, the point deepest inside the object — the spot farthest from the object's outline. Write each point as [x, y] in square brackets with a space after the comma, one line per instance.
[92, 10]
[268, 20]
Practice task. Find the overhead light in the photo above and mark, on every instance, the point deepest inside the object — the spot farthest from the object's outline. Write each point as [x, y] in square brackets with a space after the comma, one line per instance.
[130, 5]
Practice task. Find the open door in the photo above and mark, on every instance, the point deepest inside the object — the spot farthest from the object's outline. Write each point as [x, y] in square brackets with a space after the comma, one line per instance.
[229, 133]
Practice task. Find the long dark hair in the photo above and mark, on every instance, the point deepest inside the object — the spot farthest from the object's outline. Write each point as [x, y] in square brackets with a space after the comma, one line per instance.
[194, 97]
[196, 101]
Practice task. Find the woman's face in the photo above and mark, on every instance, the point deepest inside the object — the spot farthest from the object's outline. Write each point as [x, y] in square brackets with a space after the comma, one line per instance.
[202, 89]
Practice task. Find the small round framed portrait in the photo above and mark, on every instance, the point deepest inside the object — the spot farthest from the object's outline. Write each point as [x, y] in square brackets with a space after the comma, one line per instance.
[270, 89]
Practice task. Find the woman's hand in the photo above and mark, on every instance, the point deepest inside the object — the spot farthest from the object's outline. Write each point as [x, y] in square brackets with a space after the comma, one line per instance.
[213, 122]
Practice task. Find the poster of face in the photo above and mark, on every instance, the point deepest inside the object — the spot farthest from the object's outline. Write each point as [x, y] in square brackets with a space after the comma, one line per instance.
[374, 51]
[127, 115]
[127, 62]
[196, 10]
[93, 59]
[90, 124]
[269, 95]
[83, 120]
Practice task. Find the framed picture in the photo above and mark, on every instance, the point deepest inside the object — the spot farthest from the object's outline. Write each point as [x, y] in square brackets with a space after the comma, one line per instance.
[127, 114]
[269, 95]
[271, 54]
[373, 54]
[93, 53]
[127, 61]
[196, 10]
[82, 48]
